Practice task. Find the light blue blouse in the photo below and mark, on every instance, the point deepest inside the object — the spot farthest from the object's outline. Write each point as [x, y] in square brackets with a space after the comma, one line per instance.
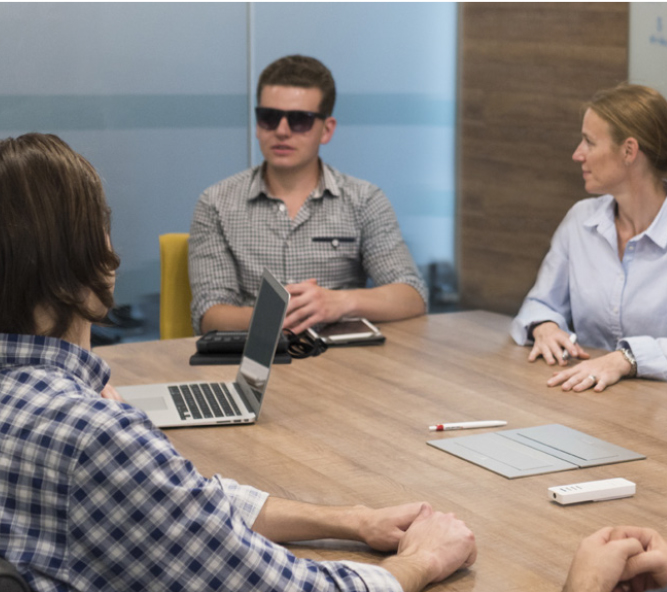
[584, 287]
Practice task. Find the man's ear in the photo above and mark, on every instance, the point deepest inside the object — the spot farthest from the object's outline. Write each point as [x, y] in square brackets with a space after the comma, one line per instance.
[328, 131]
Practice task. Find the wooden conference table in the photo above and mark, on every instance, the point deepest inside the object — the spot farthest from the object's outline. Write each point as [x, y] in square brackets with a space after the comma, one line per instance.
[351, 426]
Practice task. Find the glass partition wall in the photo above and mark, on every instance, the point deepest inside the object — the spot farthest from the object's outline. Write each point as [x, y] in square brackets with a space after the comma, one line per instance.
[158, 97]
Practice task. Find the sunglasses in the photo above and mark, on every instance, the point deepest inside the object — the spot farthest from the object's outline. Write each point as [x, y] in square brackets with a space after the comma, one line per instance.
[298, 121]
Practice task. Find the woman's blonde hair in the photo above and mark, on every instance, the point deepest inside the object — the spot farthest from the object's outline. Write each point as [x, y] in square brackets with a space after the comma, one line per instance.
[639, 112]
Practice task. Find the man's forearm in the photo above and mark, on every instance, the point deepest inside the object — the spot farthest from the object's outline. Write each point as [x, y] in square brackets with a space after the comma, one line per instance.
[391, 302]
[226, 317]
[282, 520]
[430, 545]
[411, 573]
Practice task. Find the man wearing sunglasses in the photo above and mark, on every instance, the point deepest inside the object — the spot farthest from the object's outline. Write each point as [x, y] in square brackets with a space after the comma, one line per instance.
[322, 233]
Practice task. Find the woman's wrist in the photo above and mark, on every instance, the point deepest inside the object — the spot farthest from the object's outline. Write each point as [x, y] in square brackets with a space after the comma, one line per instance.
[630, 359]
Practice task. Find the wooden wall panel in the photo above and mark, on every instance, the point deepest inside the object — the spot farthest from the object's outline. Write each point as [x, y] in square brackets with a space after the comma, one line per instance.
[525, 71]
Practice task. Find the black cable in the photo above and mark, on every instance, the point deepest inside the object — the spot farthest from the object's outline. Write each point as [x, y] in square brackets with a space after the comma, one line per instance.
[304, 345]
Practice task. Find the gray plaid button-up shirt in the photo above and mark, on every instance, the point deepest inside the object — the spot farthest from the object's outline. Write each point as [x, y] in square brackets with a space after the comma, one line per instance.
[345, 233]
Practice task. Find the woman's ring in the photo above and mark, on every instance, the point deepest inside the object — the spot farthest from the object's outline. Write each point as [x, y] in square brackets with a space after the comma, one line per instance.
[595, 378]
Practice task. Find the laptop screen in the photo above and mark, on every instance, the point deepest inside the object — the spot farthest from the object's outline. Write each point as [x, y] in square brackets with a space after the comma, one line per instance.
[265, 328]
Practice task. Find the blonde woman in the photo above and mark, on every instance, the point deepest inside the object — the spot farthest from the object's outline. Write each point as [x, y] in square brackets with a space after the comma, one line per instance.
[605, 276]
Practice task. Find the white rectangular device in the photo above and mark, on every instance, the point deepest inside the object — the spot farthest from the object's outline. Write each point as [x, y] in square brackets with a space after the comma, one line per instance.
[592, 491]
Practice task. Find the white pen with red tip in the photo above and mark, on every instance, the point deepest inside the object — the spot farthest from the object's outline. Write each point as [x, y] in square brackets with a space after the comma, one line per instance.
[566, 354]
[466, 425]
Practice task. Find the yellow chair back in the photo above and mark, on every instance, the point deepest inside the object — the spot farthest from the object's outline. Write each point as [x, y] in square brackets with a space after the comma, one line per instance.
[175, 294]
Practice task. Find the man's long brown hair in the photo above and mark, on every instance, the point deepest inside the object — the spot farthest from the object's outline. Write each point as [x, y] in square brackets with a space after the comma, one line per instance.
[54, 235]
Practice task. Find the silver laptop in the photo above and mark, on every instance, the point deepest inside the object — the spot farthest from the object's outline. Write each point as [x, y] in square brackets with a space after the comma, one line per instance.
[206, 403]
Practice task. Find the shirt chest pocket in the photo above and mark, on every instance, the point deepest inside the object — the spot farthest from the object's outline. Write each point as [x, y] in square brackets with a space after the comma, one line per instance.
[334, 233]
[342, 244]
[333, 258]
[339, 244]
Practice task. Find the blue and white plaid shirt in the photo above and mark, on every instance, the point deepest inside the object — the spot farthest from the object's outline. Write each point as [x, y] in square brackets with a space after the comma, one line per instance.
[94, 497]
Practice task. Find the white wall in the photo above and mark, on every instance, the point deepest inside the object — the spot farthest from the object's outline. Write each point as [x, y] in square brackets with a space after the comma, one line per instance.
[648, 44]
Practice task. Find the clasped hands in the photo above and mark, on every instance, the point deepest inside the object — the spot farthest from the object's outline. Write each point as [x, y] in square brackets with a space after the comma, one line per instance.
[311, 304]
[599, 373]
[619, 559]
[431, 544]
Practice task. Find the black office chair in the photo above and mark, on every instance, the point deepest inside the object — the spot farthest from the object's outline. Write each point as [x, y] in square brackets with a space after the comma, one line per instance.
[10, 579]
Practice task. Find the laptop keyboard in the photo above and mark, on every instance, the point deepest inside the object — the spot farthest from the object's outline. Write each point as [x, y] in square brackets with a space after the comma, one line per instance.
[204, 401]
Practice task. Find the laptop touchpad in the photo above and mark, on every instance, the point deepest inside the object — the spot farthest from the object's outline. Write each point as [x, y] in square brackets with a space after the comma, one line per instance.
[150, 403]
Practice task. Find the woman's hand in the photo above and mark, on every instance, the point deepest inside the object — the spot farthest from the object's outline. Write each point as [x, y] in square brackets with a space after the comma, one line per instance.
[596, 374]
[550, 342]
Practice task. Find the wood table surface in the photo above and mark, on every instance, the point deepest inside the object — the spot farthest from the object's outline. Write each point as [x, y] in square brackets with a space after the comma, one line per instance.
[351, 426]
